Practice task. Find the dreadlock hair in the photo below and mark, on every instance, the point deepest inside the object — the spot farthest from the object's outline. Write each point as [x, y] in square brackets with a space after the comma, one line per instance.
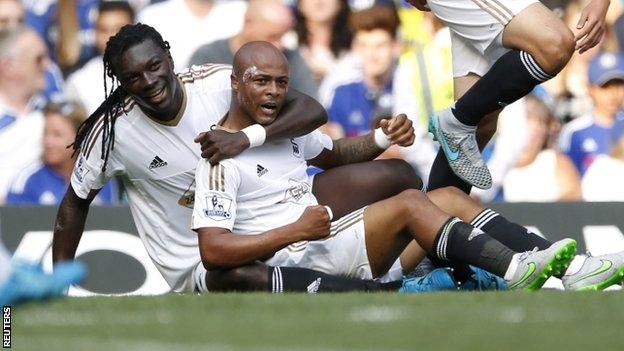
[114, 102]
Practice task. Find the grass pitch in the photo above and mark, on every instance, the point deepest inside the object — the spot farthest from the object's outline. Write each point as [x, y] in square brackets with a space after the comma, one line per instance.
[546, 320]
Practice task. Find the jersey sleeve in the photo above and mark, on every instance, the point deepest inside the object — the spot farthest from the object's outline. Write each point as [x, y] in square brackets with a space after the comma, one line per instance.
[87, 174]
[314, 143]
[215, 195]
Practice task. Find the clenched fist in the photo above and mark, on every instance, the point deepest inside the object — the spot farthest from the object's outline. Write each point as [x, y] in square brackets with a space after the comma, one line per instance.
[314, 223]
[399, 130]
[217, 145]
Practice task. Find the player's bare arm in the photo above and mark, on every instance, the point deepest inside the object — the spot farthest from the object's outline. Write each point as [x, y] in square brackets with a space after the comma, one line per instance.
[220, 248]
[398, 131]
[300, 115]
[69, 225]
[591, 25]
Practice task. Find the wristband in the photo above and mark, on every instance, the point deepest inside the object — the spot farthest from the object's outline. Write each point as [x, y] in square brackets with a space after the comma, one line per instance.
[256, 135]
[381, 140]
[329, 212]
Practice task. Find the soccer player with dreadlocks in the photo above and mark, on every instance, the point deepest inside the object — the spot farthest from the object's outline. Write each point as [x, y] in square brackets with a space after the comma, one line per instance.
[144, 131]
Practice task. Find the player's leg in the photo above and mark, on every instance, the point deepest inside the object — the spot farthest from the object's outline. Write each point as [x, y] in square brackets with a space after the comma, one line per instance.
[455, 202]
[260, 277]
[541, 45]
[412, 256]
[348, 188]
[525, 27]
[383, 179]
[584, 273]
[390, 223]
[441, 174]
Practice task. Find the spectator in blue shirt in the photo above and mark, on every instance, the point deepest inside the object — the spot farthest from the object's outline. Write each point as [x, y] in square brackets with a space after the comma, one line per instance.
[46, 184]
[67, 27]
[372, 84]
[360, 96]
[12, 14]
[591, 135]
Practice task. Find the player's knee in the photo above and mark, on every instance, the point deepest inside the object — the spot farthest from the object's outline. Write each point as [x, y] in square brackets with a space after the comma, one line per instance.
[452, 193]
[557, 49]
[411, 200]
[404, 174]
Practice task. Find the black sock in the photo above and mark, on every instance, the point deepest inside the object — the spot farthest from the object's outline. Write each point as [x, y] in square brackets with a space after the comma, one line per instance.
[461, 271]
[512, 235]
[511, 77]
[294, 279]
[460, 242]
[442, 175]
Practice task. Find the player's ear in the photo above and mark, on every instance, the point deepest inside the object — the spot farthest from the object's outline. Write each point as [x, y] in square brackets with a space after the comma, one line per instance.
[234, 82]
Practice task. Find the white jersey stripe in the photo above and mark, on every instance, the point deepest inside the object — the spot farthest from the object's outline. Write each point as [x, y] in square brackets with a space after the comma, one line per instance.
[92, 136]
[334, 230]
[503, 8]
[221, 178]
[94, 140]
[348, 217]
[499, 16]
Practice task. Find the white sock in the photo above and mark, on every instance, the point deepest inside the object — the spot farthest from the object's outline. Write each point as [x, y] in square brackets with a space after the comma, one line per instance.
[5, 263]
[513, 266]
[576, 264]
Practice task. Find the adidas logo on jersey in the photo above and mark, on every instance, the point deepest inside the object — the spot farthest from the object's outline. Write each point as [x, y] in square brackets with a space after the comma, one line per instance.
[157, 162]
[261, 170]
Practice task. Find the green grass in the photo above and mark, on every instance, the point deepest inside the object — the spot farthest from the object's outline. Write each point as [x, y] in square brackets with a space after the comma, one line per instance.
[546, 320]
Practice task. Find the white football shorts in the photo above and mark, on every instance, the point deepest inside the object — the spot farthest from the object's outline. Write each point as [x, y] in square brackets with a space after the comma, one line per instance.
[476, 30]
[343, 253]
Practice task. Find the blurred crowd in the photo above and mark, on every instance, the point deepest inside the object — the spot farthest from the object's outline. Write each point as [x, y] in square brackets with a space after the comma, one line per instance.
[363, 59]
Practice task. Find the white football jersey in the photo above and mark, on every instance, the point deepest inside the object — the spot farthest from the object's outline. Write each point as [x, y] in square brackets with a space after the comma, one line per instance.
[261, 189]
[157, 161]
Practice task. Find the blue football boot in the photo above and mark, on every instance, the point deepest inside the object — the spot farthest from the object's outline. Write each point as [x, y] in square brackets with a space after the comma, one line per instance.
[480, 279]
[28, 282]
[437, 280]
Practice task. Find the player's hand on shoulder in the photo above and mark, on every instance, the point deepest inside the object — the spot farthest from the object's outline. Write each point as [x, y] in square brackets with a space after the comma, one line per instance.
[399, 130]
[314, 223]
[217, 145]
[591, 25]
[420, 4]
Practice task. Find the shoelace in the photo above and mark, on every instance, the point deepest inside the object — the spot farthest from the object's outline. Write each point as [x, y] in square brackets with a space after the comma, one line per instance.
[524, 255]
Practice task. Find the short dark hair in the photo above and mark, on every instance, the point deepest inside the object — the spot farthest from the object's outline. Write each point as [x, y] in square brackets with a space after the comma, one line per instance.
[375, 17]
[124, 6]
